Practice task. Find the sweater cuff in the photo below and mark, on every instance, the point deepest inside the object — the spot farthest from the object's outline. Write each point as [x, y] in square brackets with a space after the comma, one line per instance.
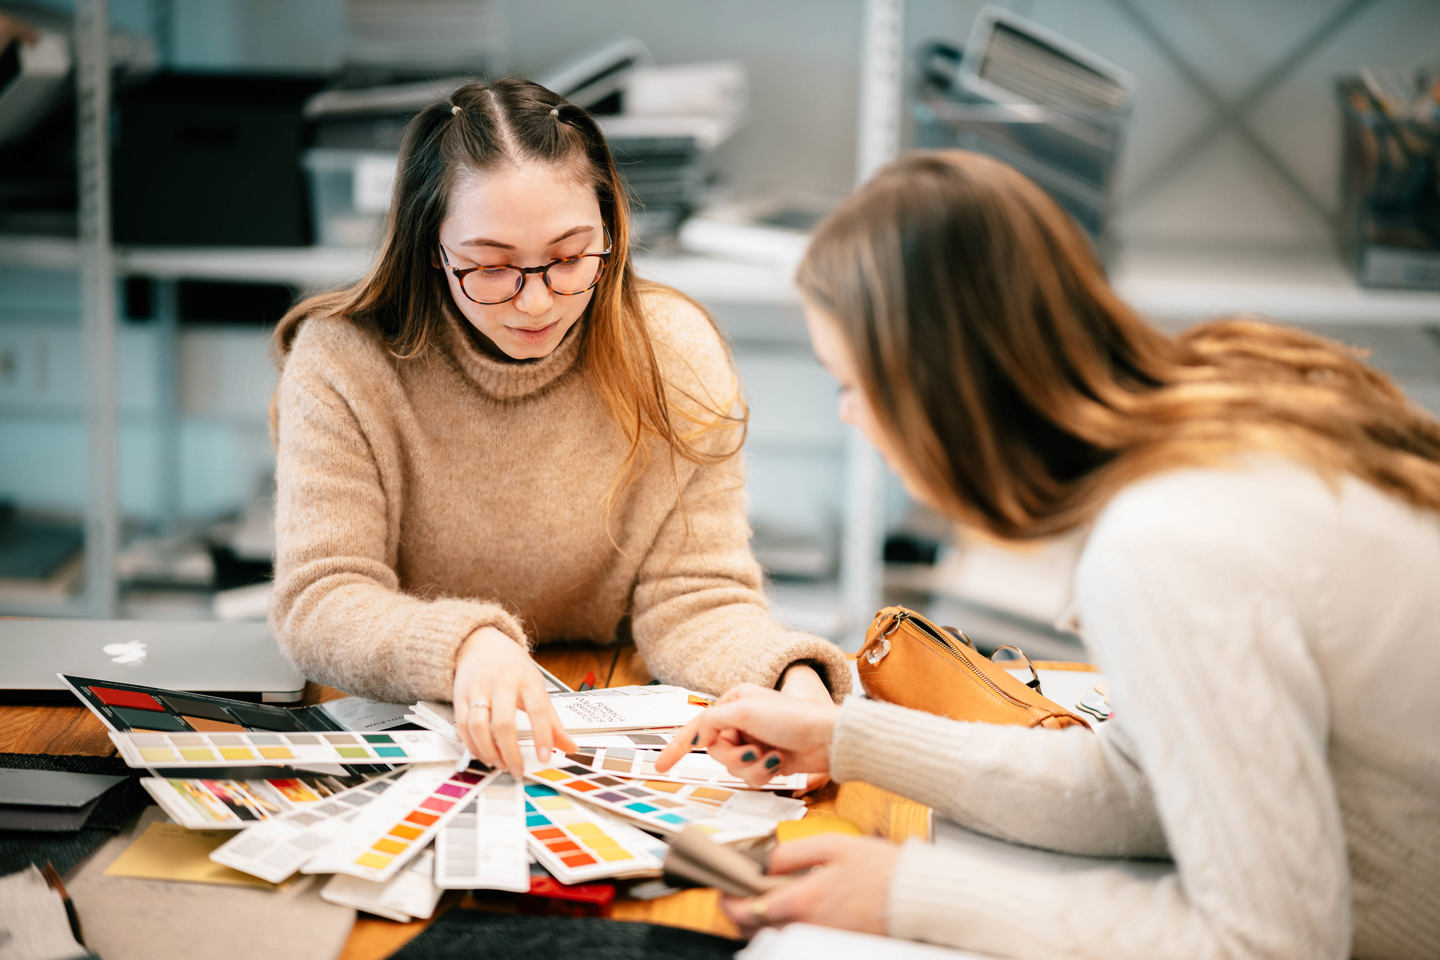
[437, 632]
[824, 657]
[872, 740]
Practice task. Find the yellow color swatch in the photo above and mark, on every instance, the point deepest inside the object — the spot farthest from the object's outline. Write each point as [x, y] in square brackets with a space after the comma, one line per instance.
[813, 824]
[168, 851]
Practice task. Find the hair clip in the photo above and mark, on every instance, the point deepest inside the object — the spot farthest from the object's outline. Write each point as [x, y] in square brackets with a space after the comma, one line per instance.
[454, 109]
[555, 112]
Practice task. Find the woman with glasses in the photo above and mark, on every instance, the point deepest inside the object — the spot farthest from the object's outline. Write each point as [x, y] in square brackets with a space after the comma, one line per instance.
[1260, 585]
[502, 437]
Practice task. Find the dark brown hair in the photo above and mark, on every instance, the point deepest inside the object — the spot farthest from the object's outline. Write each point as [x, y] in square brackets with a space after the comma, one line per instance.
[1021, 393]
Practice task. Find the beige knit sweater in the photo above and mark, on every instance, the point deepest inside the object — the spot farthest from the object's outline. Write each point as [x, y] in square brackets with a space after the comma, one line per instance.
[1273, 653]
[420, 499]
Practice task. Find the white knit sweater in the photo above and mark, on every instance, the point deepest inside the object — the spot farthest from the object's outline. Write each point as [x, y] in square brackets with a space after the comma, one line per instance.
[1273, 652]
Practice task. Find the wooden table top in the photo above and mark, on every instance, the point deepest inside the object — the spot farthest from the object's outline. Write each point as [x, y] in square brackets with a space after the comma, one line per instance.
[75, 731]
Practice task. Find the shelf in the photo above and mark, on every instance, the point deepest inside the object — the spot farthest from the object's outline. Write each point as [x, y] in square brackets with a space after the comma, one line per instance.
[708, 279]
[713, 280]
[39, 252]
[1177, 284]
[1169, 284]
[302, 266]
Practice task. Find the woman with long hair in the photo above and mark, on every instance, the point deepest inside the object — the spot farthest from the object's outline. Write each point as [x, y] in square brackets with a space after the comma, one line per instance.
[1259, 583]
[501, 437]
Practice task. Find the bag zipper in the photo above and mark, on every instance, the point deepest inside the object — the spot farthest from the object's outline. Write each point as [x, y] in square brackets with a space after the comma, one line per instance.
[937, 635]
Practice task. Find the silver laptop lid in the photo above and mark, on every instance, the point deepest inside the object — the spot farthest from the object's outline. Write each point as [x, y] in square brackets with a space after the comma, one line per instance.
[206, 656]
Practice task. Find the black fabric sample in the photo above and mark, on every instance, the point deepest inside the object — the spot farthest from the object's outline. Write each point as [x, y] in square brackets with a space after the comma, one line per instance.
[117, 808]
[466, 934]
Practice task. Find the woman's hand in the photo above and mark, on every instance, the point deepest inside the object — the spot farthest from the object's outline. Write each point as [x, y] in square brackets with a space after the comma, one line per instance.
[758, 733]
[494, 677]
[801, 680]
[849, 886]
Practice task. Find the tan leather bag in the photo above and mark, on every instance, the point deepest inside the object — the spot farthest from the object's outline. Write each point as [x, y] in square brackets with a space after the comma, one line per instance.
[909, 660]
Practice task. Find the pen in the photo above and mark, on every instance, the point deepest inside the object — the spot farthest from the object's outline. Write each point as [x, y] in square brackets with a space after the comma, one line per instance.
[588, 683]
[52, 879]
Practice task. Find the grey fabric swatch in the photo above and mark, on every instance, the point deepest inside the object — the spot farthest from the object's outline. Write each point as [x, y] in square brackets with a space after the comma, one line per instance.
[124, 918]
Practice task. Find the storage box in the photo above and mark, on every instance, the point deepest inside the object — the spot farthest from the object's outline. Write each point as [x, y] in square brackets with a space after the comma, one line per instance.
[349, 194]
[208, 159]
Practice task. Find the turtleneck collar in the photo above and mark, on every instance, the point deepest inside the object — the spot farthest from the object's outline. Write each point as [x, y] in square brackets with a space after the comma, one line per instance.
[508, 379]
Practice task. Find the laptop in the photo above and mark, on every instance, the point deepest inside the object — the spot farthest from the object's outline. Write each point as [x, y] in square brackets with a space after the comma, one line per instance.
[231, 658]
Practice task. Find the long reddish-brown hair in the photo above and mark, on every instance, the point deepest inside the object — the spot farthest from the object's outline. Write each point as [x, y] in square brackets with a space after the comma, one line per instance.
[406, 300]
[1020, 393]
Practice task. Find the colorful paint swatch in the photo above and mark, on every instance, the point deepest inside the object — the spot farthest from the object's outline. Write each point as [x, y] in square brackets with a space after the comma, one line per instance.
[149, 719]
[276, 848]
[694, 767]
[117, 697]
[195, 749]
[131, 707]
[391, 832]
[210, 804]
[667, 808]
[127, 706]
[483, 847]
[577, 842]
[650, 740]
[410, 895]
[194, 707]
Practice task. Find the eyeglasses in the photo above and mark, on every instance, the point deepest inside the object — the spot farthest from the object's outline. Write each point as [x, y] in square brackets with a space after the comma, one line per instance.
[498, 283]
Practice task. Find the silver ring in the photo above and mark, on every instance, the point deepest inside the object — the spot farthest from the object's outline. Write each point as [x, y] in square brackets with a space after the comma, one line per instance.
[481, 704]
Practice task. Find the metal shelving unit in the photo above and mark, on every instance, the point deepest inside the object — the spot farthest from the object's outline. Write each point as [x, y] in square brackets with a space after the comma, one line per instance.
[92, 256]
[97, 312]
[882, 75]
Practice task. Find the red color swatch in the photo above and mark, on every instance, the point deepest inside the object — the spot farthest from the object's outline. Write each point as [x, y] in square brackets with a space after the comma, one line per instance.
[126, 698]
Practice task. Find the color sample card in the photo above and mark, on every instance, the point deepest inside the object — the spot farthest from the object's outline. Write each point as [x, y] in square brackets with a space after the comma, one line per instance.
[205, 804]
[609, 709]
[667, 808]
[484, 847]
[411, 895]
[274, 849]
[129, 706]
[168, 851]
[698, 768]
[624, 708]
[175, 750]
[390, 832]
[641, 740]
[577, 842]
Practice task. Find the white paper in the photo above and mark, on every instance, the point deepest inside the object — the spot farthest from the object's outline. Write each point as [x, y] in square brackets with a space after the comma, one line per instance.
[806, 940]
